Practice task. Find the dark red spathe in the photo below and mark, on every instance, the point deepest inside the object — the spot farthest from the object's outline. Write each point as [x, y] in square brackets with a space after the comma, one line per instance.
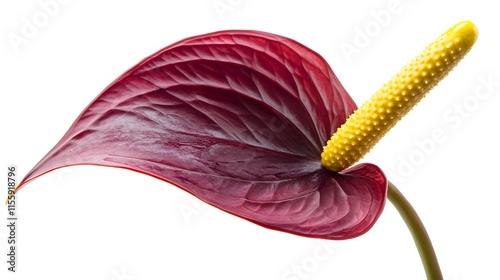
[238, 119]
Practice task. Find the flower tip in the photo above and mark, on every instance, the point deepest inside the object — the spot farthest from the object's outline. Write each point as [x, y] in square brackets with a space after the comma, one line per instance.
[9, 197]
[465, 34]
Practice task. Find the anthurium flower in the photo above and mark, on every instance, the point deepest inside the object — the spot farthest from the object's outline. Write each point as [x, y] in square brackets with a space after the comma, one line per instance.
[239, 119]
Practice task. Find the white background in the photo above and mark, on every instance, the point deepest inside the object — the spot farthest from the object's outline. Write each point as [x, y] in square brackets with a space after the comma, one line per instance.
[104, 223]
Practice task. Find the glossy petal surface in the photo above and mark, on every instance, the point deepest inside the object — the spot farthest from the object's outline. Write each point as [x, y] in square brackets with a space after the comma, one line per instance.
[238, 119]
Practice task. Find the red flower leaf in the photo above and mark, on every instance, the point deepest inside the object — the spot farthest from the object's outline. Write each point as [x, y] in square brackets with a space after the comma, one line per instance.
[238, 119]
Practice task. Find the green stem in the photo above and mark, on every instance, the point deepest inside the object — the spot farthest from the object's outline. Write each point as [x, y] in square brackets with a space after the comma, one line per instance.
[417, 229]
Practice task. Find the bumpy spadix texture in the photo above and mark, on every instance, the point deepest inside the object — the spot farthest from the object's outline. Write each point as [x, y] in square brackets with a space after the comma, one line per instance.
[238, 119]
[378, 115]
